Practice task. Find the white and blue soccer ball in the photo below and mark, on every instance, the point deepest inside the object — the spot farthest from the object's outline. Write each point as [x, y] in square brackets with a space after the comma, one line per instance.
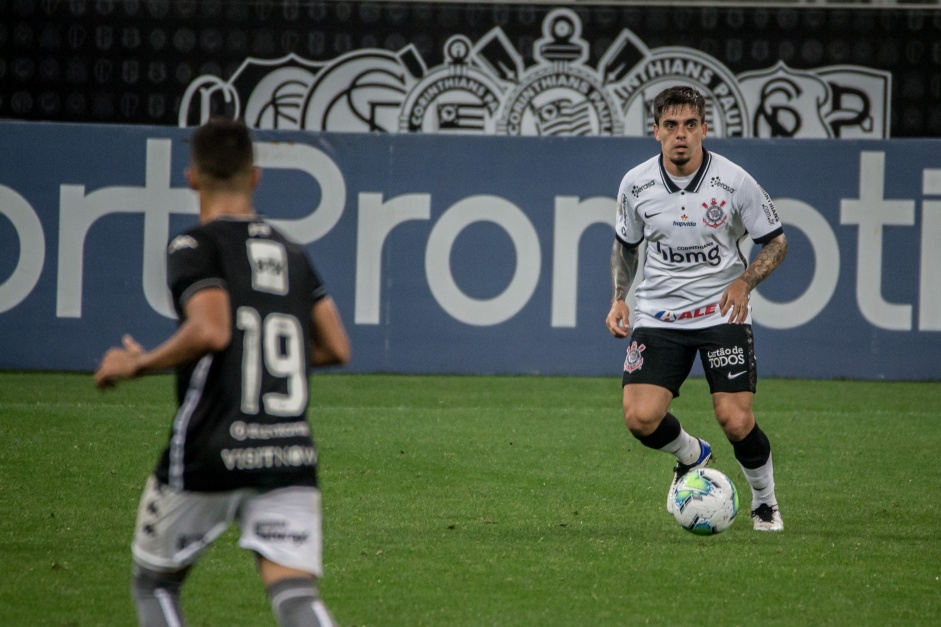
[705, 501]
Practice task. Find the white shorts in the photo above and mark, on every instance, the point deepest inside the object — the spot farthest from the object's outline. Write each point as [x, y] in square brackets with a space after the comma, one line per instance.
[174, 528]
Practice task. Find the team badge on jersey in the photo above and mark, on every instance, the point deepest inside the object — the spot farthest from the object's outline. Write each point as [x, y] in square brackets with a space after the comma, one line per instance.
[715, 215]
[634, 360]
[180, 242]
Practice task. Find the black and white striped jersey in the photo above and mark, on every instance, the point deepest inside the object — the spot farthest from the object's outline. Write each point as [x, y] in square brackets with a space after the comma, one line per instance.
[242, 418]
[692, 228]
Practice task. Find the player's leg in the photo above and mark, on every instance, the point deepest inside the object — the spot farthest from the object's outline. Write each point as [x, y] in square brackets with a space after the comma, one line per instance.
[294, 597]
[657, 363]
[157, 596]
[753, 453]
[729, 361]
[173, 529]
[283, 528]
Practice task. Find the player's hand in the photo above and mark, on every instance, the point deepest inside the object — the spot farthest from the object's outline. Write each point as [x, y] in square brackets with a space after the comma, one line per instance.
[119, 364]
[618, 319]
[734, 302]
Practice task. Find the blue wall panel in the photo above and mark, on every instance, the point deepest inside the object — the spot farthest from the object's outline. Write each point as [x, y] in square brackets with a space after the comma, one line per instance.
[449, 255]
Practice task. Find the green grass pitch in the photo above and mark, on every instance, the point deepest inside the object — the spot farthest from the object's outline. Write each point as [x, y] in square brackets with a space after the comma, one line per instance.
[518, 501]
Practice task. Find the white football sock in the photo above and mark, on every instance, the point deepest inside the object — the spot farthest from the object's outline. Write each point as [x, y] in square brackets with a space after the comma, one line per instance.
[685, 447]
[761, 480]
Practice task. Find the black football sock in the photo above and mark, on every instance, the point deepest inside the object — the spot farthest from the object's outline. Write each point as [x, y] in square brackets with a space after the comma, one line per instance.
[753, 453]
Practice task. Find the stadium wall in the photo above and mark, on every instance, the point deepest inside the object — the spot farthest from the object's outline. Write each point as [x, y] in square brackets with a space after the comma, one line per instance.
[466, 255]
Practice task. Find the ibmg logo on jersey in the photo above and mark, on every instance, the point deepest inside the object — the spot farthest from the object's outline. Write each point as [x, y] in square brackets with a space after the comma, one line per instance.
[689, 255]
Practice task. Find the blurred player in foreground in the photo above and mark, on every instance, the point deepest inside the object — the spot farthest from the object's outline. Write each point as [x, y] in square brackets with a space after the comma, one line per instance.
[692, 207]
[254, 317]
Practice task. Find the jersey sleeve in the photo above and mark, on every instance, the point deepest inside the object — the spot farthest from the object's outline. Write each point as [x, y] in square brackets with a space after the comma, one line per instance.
[628, 228]
[191, 267]
[318, 290]
[758, 213]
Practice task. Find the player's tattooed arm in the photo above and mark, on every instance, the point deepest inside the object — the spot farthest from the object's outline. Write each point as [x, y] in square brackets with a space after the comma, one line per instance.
[624, 261]
[769, 258]
[734, 301]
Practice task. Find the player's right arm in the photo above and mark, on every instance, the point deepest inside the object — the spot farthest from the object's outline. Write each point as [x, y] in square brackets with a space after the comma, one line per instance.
[624, 262]
[205, 329]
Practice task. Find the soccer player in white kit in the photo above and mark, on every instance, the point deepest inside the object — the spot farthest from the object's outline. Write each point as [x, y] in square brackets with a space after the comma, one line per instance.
[692, 207]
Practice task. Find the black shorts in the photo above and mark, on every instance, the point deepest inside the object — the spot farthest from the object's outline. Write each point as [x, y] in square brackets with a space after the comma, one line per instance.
[665, 357]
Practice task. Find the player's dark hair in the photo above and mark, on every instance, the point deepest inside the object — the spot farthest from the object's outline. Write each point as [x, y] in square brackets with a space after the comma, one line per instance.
[222, 148]
[678, 96]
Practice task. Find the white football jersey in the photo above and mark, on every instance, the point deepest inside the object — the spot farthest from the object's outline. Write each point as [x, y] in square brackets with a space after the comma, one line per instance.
[692, 236]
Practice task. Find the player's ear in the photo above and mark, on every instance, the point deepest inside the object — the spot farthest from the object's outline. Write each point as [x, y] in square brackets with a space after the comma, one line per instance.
[256, 177]
[192, 177]
[705, 129]
[656, 131]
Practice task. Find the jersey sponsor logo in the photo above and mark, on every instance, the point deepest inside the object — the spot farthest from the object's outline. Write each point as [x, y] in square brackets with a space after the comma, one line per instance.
[715, 215]
[716, 181]
[637, 189]
[768, 207]
[242, 431]
[690, 314]
[684, 221]
[180, 242]
[485, 87]
[634, 360]
[266, 457]
[278, 531]
[724, 357]
[688, 255]
[269, 263]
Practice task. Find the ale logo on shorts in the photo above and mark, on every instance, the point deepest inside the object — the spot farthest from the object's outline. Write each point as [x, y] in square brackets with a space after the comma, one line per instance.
[634, 360]
[715, 216]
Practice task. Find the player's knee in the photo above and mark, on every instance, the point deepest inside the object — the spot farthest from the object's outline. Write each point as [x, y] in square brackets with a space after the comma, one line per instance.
[145, 581]
[640, 423]
[736, 423]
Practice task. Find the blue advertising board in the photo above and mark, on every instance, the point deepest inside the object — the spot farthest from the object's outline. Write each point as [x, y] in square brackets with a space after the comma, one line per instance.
[466, 255]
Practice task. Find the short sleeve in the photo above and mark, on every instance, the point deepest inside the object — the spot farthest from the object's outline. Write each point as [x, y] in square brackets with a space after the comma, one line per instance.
[627, 227]
[758, 213]
[192, 265]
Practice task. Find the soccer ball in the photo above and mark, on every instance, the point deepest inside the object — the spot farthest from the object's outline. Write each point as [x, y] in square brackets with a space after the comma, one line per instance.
[705, 501]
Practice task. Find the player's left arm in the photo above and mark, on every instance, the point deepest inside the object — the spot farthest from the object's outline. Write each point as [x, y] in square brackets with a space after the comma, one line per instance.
[330, 344]
[735, 298]
[207, 328]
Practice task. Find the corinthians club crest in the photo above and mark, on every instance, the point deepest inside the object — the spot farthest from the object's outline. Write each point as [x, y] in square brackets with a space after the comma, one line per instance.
[484, 87]
[560, 95]
[458, 97]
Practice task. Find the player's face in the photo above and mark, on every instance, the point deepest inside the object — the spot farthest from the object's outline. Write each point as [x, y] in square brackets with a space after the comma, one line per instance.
[680, 133]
